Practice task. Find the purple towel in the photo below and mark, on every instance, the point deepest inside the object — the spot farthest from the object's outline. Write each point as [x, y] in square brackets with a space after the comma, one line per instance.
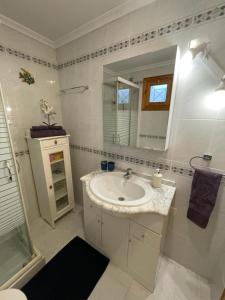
[45, 127]
[204, 191]
[46, 133]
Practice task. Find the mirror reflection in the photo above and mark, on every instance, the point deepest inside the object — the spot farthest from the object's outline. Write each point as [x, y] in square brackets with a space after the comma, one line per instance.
[137, 97]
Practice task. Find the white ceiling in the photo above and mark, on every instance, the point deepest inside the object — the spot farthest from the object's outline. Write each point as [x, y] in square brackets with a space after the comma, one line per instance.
[58, 20]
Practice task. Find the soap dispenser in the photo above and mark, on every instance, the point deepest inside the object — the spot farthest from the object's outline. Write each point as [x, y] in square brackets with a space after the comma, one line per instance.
[157, 179]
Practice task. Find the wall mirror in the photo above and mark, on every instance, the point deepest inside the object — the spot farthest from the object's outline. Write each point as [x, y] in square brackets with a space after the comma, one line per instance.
[138, 95]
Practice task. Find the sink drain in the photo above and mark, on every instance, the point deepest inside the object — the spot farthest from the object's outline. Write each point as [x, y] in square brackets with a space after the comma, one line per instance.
[121, 198]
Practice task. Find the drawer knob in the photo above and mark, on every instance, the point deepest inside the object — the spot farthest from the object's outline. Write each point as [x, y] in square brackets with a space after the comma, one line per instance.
[143, 235]
[50, 187]
[91, 206]
[55, 142]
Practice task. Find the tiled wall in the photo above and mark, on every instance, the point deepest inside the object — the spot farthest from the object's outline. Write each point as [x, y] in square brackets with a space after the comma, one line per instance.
[196, 128]
[22, 100]
[218, 283]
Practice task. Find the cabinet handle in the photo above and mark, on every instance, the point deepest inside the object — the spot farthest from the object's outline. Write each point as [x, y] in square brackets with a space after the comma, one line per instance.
[9, 170]
[129, 240]
[55, 142]
[50, 187]
[91, 206]
[143, 236]
[102, 223]
[98, 221]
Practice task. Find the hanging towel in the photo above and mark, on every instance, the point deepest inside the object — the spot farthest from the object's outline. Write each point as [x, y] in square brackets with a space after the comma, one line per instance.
[204, 191]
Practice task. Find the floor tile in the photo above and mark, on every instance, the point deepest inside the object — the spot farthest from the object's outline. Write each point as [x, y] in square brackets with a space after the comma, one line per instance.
[173, 281]
[50, 241]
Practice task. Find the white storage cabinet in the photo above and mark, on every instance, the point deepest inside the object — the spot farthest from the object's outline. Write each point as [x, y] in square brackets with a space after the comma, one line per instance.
[51, 165]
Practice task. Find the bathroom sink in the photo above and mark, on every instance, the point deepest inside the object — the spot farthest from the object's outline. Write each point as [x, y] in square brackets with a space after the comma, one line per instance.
[117, 190]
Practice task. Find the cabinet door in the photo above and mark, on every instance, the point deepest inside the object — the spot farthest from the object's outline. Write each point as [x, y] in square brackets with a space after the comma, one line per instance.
[115, 232]
[92, 222]
[59, 179]
[143, 254]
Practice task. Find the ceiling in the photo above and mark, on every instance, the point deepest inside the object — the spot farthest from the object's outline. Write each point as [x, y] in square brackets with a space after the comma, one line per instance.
[55, 19]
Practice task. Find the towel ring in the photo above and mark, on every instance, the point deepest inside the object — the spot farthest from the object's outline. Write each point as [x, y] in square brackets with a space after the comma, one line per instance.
[204, 157]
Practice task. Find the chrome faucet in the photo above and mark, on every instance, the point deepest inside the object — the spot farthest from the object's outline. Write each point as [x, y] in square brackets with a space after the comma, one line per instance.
[128, 173]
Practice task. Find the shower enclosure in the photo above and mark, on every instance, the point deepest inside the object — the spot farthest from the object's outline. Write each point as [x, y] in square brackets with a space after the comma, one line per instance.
[16, 250]
[120, 117]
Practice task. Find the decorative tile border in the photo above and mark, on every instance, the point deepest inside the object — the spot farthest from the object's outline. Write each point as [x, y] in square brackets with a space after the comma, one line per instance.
[143, 37]
[184, 23]
[176, 168]
[99, 53]
[22, 153]
[2, 48]
[175, 26]
[199, 18]
[118, 46]
[27, 57]
[123, 158]
[209, 15]
[182, 171]
[149, 136]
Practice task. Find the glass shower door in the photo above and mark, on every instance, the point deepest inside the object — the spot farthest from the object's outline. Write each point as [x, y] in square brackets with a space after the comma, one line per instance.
[15, 246]
[123, 113]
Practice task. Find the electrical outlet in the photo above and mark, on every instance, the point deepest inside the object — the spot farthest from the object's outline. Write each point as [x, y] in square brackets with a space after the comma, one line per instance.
[207, 156]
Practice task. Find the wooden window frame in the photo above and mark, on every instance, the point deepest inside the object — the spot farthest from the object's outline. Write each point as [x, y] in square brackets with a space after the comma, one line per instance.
[156, 80]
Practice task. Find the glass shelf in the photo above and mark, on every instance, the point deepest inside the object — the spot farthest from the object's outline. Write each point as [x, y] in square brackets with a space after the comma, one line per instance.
[59, 180]
[56, 177]
[60, 193]
[62, 203]
[56, 161]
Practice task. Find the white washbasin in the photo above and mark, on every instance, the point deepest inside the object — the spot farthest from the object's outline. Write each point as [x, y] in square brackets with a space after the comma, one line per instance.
[115, 189]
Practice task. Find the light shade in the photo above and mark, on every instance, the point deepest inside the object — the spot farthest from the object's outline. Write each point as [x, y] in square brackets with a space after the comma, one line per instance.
[221, 86]
[201, 48]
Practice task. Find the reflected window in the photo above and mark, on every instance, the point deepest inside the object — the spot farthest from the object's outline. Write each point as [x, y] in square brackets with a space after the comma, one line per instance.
[123, 96]
[158, 93]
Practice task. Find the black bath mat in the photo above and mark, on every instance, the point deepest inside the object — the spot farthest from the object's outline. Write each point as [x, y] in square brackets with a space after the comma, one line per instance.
[71, 275]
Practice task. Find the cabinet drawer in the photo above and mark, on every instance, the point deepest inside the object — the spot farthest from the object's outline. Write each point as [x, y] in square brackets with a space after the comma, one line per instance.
[141, 233]
[54, 142]
[152, 221]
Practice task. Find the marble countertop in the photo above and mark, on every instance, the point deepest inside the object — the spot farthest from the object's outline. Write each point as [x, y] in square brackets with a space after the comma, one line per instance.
[160, 202]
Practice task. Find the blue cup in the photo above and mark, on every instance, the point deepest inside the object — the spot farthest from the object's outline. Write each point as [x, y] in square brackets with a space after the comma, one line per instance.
[104, 165]
[111, 166]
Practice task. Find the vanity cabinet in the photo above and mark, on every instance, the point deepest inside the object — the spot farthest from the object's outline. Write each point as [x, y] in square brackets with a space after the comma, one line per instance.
[143, 253]
[115, 234]
[51, 166]
[109, 233]
[128, 243]
[92, 221]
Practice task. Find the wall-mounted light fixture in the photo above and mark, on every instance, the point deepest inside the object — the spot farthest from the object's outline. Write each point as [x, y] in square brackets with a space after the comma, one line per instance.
[221, 86]
[216, 100]
[198, 48]
[195, 48]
